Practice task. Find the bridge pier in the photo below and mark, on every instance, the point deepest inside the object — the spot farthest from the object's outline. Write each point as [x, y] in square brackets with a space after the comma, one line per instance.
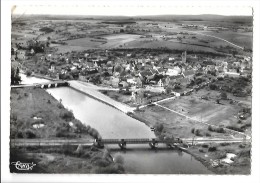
[98, 143]
[153, 145]
[122, 144]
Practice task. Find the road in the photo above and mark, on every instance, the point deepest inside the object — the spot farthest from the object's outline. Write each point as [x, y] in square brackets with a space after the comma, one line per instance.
[92, 91]
[195, 32]
[49, 142]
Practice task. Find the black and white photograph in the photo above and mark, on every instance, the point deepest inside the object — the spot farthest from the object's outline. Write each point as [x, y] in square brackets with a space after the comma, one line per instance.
[154, 90]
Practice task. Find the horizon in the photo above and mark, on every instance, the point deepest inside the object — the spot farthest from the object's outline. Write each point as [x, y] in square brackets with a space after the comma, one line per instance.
[135, 15]
[129, 11]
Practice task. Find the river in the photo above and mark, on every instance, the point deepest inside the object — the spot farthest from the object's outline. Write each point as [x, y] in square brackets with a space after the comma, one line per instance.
[111, 123]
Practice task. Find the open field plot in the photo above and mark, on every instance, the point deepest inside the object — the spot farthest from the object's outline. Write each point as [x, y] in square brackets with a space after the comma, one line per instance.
[86, 42]
[209, 112]
[23, 35]
[80, 44]
[167, 44]
[119, 39]
[174, 124]
[243, 39]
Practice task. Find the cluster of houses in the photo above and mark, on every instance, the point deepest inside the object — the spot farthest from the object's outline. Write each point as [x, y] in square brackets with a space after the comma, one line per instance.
[155, 73]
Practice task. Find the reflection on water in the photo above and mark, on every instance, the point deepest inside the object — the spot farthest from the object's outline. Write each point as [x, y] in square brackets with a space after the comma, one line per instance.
[140, 159]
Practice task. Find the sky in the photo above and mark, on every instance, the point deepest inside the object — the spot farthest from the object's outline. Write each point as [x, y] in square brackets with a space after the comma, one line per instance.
[128, 10]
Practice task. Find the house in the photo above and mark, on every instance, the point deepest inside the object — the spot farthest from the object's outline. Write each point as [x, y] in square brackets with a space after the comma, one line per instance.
[183, 56]
[114, 81]
[161, 71]
[123, 84]
[173, 71]
[160, 83]
[189, 74]
[172, 79]
[131, 81]
[171, 59]
[139, 82]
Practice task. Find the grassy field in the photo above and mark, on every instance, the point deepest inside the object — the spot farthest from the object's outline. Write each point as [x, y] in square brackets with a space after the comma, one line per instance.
[67, 159]
[34, 106]
[114, 41]
[241, 163]
[206, 111]
[174, 124]
[244, 39]
[168, 44]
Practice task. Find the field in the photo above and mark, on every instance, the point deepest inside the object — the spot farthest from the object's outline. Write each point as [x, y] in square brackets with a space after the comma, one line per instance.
[144, 43]
[243, 39]
[35, 107]
[173, 123]
[118, 40]
[201, 110]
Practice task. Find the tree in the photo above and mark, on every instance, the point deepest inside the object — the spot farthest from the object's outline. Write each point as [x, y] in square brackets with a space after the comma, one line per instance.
[15, 78]
[223, 96]
[217, 101]
[213, 86]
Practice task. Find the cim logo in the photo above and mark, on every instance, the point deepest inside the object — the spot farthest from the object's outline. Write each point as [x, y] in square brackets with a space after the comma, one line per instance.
[23, 166]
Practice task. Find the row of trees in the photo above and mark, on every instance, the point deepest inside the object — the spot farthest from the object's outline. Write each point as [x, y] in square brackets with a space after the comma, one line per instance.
[15, 77]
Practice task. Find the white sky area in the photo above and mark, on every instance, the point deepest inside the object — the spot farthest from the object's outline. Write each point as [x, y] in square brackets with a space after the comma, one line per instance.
[129, 10]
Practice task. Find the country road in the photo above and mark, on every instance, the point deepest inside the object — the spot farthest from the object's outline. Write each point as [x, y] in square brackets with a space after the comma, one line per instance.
[195, 32]
[49, 142]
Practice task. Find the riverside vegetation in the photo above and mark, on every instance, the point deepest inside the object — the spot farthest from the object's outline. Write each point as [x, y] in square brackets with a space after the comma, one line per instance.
[34, 106]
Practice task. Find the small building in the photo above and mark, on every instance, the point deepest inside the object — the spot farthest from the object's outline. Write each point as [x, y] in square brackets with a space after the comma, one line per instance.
[189, 74]
[123, 84]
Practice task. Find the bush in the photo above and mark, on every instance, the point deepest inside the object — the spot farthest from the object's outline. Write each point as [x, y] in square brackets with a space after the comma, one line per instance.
[159, 127]
[210, 128]
[225, 144]
[218, 130]
[198, 132]
[192, 130]
[205, 145]
[30, 134]
[211, 149]
[66, 115]
[60, 106]
[101, 163]
[208, 135]
[28, 73]
[235, 128]
[242, 146]
[86, 155]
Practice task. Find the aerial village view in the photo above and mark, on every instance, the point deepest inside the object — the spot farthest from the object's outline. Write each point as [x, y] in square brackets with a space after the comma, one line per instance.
[168, 94]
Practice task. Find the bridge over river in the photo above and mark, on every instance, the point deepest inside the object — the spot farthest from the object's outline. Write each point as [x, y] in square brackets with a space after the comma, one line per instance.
[175, 142]
[51, 84]
[90, 90]
[88, 142]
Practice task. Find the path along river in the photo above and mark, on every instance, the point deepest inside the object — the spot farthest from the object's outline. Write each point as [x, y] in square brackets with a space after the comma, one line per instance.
[111, 123]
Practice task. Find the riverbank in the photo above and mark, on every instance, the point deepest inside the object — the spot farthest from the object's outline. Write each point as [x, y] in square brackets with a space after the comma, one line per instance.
[209, 154]
[35, 114]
